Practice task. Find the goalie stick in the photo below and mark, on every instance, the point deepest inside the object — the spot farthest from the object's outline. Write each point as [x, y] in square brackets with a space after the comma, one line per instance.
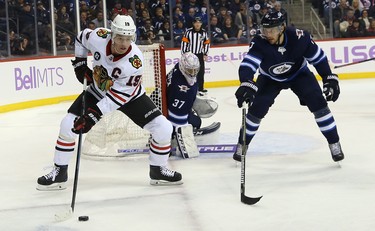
[245, 199]
[349, 64]
[208, 148]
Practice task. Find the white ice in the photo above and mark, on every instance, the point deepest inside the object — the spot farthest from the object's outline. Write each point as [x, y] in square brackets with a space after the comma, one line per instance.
[289, 163]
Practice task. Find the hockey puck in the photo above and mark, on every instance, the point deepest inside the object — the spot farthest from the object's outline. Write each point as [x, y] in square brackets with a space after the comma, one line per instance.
[83, 218]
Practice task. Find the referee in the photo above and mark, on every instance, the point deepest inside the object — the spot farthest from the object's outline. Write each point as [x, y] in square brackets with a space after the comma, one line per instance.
[196, 40]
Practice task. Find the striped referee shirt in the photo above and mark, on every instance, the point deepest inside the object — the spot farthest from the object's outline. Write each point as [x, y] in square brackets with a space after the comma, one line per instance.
[197, 42]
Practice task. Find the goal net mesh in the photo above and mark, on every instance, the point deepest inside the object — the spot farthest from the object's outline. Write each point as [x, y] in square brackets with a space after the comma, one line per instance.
[115, 130]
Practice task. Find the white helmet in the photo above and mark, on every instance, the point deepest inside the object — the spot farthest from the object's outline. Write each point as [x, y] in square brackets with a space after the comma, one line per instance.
[123, 25]
[189, 66]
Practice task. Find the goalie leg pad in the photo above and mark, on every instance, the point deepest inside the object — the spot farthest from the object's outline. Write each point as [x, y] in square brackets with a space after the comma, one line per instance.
[186, 144]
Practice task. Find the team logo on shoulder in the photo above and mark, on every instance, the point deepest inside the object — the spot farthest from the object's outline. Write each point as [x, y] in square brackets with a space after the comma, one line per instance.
[135, 61]
[103, 33]
[183, 88]
[281, 68]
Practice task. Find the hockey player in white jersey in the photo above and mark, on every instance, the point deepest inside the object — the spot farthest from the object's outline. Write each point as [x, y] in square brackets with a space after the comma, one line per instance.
[114, 84]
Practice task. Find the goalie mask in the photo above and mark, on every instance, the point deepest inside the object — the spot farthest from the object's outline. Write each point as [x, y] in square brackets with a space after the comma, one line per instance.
[189, 66]
[123, 25]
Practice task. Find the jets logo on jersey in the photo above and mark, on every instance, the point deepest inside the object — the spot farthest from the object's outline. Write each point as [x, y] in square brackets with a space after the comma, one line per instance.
[281, 50]
[183, 88]
[135, 61]
[280, 69]
[102, 33]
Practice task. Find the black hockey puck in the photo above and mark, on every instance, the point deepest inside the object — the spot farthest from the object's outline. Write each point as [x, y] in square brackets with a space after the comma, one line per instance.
[83, 218]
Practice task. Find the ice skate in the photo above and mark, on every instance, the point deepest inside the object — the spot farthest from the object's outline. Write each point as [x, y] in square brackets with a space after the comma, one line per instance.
[237, 154]
[55, 180]
[161, 175]
[336, 152]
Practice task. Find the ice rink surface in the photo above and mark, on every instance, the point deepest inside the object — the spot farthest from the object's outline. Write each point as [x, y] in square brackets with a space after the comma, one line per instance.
[288, 162]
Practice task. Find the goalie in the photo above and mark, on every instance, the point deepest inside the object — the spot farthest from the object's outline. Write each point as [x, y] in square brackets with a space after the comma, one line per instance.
[185, 108]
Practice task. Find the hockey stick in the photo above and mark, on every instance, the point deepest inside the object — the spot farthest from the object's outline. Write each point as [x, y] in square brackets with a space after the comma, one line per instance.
[349, 64]
[245, 199]
[212, 148]
[65, 215]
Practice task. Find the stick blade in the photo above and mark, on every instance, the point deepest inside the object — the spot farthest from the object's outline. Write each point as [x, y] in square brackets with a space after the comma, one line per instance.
[250, 200]
[64, 215]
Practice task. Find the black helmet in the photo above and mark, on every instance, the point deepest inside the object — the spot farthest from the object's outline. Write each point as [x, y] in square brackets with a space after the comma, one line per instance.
[272, 19]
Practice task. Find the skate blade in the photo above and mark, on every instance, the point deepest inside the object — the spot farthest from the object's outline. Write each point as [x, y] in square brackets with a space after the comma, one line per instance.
[52, 187]
[164, 182]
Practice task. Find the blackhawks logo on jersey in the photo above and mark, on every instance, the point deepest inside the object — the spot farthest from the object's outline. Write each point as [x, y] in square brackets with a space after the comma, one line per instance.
[102, 33]
[135, 61]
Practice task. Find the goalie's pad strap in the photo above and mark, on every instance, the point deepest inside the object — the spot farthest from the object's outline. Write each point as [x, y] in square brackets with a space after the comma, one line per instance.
[185, 141]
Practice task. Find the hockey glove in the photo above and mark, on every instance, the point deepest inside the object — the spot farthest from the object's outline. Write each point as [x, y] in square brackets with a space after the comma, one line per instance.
[82, 70]
[331, 87]
[85, 122]
[246, 93]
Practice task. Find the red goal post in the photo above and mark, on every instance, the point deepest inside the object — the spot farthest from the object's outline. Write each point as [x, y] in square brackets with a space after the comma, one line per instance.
[115, 130]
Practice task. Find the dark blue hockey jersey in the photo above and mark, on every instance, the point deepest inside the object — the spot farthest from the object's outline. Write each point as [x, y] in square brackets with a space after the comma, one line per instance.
[180, 97]
[283, 62]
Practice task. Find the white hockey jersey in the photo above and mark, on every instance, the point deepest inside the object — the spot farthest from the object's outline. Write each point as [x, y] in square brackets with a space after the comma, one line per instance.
[125, 70]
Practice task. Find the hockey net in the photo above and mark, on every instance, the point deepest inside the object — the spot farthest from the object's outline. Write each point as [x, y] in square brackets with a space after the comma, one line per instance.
[115, 130]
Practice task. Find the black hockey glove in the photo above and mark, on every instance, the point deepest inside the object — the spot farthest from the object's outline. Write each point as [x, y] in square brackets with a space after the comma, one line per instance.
[85, 122]
[246, 93]
[331, 87]
[82, 70]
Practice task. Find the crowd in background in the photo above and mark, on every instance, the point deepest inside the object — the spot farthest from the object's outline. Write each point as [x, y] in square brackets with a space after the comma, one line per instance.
[156, 20]
[227, 21]
[350, 18]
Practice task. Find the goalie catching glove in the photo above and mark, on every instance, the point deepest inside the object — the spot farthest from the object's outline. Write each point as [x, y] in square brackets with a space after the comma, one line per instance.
[82, 70]
[246, 93]
[103, 81]
[331, 87]
[86, 121]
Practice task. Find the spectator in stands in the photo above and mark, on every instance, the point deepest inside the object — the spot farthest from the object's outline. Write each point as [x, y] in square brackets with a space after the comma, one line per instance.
[178, 32]
[371, 30]
[337, 15]
[99, 20]
[162, 4]
[357, 7]
[219, 4]
[231, 32]
[145, 29]
[189, 18]
[165, 31]
[63, 20]
[158, 19]
[327, 8]
[178, 15]
[250, 29]
[140, 7]
[346, 21]
[84, 20]
[119, 9]
[277, 7]
[365, 20]
[241, 17]
[20, 45]
[188, 5]
[354, 30]
[222, 15]
[92, 25]
[144, 16]
[26, 21]
[217, 35]
[235, 6]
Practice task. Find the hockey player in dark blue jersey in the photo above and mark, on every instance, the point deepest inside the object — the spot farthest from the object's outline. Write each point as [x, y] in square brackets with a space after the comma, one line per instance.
[184, 108]
[281, 55]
